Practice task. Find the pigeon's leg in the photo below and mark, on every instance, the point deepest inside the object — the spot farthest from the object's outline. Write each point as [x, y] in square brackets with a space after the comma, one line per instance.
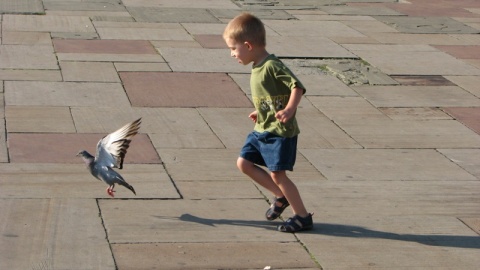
[110, 191]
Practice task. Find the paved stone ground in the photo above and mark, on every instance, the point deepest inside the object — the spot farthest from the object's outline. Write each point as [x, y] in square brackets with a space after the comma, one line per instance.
[388, 158]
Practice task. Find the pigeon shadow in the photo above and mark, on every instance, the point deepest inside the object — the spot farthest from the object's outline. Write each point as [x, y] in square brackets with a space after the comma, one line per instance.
[348, 231]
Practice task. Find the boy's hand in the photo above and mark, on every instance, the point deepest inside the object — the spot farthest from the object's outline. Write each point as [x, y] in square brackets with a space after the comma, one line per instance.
[253, 116]
[284, 115]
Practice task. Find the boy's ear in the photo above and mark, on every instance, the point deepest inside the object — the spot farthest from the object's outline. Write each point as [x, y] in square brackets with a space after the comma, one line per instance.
[249, 45]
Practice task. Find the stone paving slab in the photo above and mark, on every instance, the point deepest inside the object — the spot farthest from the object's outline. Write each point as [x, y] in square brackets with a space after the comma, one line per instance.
[318, 47]
[198, 190]
[255, 255]
[21, 7]
[104, 46]
[360, 10]
[468, 159]
[467, 116]
[202, 60]
[30, 75]
[415, 113]
[110, 5]
[384, 164]
[42, 180]
[24, 57]
[181, 221]
[53, 233]
[39, 119]
[393, 198]
[338, 108]
[423, 80]
[25, 148]
[172, 15]
[427, 25]
[415, 62]
[211, 4]
[116, 33]
[3, 140]
[411, 39]
[26, 38]
[88, 71]
[191, 90]
[111, 57]
[312, 28]
[377, 133]
[369, 242]
[417, 96]
[18, 93]
[461, 52]
[121, 67]
[35, 23]
[469, 83]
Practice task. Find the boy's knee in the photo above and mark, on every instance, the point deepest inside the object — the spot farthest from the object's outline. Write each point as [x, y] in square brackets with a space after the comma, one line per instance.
[243, 165]
[279, 176]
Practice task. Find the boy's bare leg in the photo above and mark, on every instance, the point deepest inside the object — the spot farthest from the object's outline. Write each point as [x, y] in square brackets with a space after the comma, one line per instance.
[259, 175]
[289, 189]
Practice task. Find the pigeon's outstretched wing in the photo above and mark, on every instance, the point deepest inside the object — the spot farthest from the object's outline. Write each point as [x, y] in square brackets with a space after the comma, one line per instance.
[112, 148]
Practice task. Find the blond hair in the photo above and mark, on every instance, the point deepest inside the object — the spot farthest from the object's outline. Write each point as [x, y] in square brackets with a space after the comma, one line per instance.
[246, 27]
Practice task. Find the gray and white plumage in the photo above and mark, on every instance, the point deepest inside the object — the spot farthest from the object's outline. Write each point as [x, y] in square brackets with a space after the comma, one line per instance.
[111, 151]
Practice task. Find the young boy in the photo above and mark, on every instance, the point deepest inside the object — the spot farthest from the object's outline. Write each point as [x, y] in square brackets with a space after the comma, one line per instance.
[276, 93]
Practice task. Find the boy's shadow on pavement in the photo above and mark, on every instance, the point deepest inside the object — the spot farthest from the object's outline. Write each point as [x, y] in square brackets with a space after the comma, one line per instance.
[339, 230]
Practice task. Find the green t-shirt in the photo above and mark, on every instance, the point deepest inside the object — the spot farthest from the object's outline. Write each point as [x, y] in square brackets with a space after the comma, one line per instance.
[271, 84]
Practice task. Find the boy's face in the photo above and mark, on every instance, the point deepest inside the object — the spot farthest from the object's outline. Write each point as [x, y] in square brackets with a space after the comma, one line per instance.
[240, 50]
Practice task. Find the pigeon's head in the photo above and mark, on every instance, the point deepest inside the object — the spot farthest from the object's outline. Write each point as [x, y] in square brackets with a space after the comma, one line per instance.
[85, 156]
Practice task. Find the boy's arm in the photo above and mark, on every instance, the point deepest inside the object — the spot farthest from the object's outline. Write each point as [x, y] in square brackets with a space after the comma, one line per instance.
[286, 114]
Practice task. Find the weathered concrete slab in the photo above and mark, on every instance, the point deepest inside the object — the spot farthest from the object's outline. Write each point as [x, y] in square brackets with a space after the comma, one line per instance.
[255, 255]
[360, 10]
[370, 242]
[211, 4]
[394, 198]
[25, 57]
[187, 221]
[195, 164]
[468, 159]
[422, 80]
[384, 164]
[417, 96]
[166, 127]
[376, 133]
[320, 47]
[104, 46]
[326, 85]
[74, 181]
[116, 33]
[172, 15]
[461, 51]
[368, 27]
[413, 60]
[18, 93]
[31, 75]
[415, 113]
[338, 108]
[21, 7]
[26, 38]
[141, 67]
[202, 60]
[467, 116]
[229, 124]
[317, 131]
[24, 148]
[53, 233]
[262, 14]
[111, 57]
[427, 25]
[111, 5]
[412, 39]
[3, 141]
[434, 8]
[209, 90]
[469, 83]
[88, 72]
[35, 23]
[312, 28]
[39, 119]
[197, 190]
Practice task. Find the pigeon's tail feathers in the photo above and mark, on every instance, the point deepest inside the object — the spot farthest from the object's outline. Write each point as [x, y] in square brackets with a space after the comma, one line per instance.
[125, 184]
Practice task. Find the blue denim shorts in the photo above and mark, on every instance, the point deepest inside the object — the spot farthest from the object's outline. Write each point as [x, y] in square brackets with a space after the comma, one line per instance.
[270, 150]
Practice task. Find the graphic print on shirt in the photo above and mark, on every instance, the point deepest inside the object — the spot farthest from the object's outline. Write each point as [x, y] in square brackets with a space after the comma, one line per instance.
[271, 103]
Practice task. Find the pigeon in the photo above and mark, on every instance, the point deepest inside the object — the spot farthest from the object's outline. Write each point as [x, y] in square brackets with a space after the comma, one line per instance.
[111, 151]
